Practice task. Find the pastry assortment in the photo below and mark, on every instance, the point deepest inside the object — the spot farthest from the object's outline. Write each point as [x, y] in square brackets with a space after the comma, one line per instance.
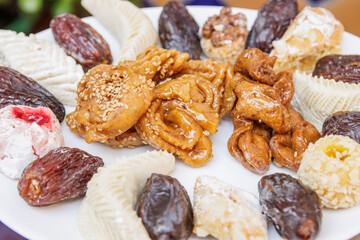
[281, 91]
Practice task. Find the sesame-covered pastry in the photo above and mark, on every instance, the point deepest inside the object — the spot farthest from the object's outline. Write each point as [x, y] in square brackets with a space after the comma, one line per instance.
[224, 36]
[314, 33]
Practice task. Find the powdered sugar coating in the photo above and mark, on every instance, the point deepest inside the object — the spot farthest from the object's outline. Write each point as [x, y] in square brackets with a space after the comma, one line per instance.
[331, 167]
[226, 212]
[21, 141]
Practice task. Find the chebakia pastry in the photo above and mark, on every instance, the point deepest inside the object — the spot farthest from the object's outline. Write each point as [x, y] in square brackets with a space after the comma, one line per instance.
[313, 34]
[128, 23]
[262, 105]
[224, 36]
[317, 98]
[112, 98]
[26, 134]
[331, 168]
[43, 61]
[108, 210]
[226, 212]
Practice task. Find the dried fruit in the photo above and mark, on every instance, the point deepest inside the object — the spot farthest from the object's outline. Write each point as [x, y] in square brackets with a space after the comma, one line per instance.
[17, 89]
[293, 208]
[343, 123]
[165, 208]
[61, 174]
[344, 68]
[80, 41]
[178, 30]
[273, 19]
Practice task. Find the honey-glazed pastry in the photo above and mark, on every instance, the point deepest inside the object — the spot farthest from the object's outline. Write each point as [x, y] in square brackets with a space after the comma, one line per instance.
[226, 212]
[127, 22]
[219, 74]
[26, 133]
[111, 99]
[331, 168]
[111, 197]
[249, 144]
[182, 115]
[314, 33]
[345, 68]
[317, 98]
[131, 139]
[43, 61]
[224, 36]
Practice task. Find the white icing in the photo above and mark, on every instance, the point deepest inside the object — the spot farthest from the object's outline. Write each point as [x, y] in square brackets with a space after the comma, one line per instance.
[22, 142]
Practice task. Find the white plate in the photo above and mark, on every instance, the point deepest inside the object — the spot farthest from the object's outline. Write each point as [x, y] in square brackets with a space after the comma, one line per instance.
[60, 220]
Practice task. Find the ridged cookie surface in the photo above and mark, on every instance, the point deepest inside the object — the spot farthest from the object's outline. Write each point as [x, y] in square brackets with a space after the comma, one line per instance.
[107, 212]
[128, 23]
[43, 61]
[317, 98]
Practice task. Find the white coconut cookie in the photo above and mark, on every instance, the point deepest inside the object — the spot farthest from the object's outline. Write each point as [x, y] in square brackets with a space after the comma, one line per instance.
[314, 33]
[316, 98]
[226, 212]
[128, 23]
[107, 211]
[331, 168]
[43, 61]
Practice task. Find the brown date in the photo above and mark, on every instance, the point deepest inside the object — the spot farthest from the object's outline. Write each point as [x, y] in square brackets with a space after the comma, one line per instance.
[178, 30]
[17, 89]
[293, 208]
[80, 41]
[61, 174]
[165, 208]
[273, 19]
[343, 123]
[345, 68]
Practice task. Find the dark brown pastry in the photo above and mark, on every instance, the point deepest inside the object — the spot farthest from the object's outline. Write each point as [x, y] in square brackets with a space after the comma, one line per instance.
[273, 19]
[345, 68]
[165, 208]
[178, 30]
[294, 209]
[343, 123]
[17, 89]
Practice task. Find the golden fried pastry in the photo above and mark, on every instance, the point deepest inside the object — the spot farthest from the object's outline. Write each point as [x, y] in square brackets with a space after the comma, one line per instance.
[314, 33]
[256, 64]
[249, 144]
[284, 86]
[184, 112]
[260, 102]
[110, 101]
[131, 139]
[219, 74]
[224, 36]
[288, 148]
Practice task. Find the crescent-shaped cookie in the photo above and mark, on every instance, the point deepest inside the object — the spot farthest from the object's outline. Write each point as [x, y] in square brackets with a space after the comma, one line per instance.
[128, 23]
[317, 98]
[107, 212]
[43, 61]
